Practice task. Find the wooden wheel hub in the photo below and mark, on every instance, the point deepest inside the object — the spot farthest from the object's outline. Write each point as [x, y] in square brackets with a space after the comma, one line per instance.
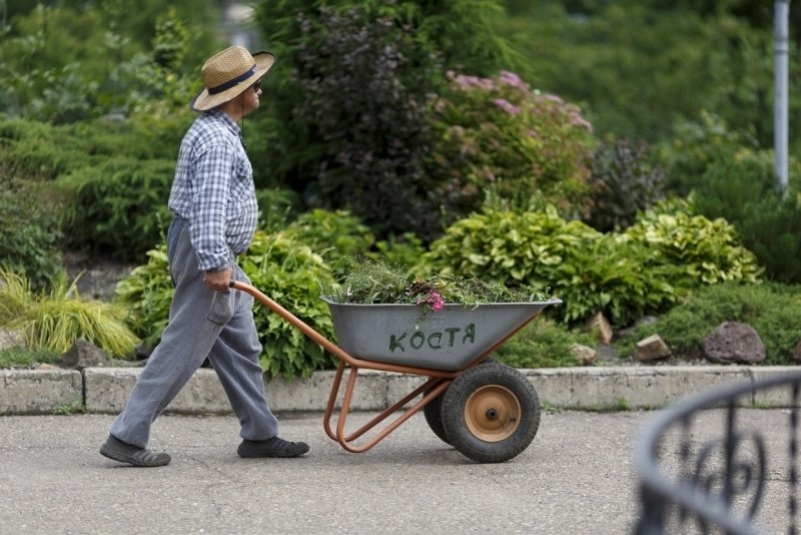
[492, 413]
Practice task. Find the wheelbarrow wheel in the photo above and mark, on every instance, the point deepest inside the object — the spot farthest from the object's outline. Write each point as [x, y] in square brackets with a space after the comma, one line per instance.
[433, 414]
[433, 411]
[491, 413]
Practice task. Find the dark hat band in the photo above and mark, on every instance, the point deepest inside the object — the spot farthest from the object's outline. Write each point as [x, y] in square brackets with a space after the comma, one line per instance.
[231, 83]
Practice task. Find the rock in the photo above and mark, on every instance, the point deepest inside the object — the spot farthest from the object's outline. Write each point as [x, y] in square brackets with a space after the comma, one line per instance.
[733, 342]
[645, 320]
[82, 355]
[651, 348]
[601, 324]
[142, 352]
[585, 355]
[607, 353]
[11, 339]
[95, 278]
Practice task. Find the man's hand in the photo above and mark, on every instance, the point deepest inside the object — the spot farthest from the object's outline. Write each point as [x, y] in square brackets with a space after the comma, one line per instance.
[218, 280]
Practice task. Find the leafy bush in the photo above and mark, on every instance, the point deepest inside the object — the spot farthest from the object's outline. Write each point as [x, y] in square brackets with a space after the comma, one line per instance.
[694, 146]
[624, 183]
[338, 237]
[692, 250]
[365, 101]
[30, 231]
[624, 276]
[40, 151]
[277, 207]
[119, 207]
[404, 250]
[69, 63]
[146, 295]
[742, 189]
[773, 310]
[575, 263]
[281, 267]
[54, 321]
[348, 126]
[291, 274]
[495, 133]
[543, 343]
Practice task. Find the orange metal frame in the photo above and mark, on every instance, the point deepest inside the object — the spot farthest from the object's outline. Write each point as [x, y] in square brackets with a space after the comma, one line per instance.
[438, 380]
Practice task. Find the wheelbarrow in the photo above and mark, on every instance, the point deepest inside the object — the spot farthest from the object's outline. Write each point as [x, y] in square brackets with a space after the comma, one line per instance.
[486, 410]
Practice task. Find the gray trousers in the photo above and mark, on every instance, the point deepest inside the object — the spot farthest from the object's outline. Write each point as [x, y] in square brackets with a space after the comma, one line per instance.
[203, 323]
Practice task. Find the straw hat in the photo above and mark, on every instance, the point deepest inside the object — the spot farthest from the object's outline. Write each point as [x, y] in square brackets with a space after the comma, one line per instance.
[228, 73]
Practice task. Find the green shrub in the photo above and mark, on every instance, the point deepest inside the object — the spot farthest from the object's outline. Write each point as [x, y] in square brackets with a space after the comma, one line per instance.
[30, 231]
[280, 266]
[543, 343]
[624, 276]
[119, 207]
[691, 250]
[624, 183]
[526, 147]
[365, 101]
[588, 271]
[277, 208]
[55, 320]
[39, 150]
[291, 274]
[338, 236]
[743, 190]
[404, 250]
[694, 146]
[146, 295]
[349, 127]
[773, 310]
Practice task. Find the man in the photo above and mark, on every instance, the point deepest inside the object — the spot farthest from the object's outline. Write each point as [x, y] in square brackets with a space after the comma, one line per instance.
[214, 208]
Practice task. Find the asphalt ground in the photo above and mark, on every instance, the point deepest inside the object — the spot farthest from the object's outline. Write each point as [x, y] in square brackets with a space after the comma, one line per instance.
[577, 477]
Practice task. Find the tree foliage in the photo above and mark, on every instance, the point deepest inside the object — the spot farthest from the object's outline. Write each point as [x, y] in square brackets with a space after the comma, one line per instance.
[347, 122]
[639, 67]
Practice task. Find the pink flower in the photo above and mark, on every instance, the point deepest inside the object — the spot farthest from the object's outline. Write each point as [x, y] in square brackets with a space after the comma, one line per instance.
[511, 79]
[433, 301]
[507, 106]
[577, 120]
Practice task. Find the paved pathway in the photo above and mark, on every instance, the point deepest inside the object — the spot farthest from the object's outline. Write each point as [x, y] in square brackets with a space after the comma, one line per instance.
[577, 477]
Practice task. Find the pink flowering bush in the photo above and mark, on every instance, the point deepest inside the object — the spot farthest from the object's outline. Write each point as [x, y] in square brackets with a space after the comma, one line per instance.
[526, 148]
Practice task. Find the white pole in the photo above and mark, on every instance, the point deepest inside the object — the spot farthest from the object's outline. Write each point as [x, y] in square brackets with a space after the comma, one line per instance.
[780, 129]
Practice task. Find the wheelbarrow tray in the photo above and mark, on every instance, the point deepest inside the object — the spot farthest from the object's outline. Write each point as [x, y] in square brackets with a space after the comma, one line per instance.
[448, 339]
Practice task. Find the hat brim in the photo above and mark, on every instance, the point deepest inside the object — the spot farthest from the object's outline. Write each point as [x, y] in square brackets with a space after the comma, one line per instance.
[206, 101]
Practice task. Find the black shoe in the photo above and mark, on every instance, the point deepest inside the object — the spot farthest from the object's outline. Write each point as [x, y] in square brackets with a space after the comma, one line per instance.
[272, 447]
[120, 451]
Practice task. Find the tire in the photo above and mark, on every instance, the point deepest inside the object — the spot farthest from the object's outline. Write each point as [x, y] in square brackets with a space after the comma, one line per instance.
[433, 411]
[490, 413]
[433, 414]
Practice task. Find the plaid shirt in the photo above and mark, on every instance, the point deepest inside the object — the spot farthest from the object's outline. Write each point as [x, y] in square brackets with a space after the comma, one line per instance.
[213, 190]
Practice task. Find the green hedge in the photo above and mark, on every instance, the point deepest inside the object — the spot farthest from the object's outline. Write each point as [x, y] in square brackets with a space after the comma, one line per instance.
[119, 208]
